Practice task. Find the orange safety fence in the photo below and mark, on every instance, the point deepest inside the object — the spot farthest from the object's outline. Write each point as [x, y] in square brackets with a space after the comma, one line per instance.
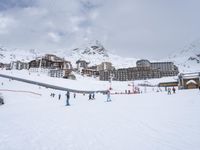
[20, 91]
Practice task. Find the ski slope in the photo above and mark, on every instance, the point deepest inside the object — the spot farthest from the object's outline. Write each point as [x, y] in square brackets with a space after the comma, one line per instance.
[148, 121]
[86, 83]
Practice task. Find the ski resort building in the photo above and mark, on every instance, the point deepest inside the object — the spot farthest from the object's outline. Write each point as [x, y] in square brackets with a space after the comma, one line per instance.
[18, 65]
[81, 64]
[52, 66]
[104, 66]
[60, 73]
[189, 80]
[90, 72]
[144, 70]
[50, 62]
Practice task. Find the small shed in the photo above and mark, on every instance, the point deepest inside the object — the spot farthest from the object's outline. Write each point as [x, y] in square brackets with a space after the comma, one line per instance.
[191, 84]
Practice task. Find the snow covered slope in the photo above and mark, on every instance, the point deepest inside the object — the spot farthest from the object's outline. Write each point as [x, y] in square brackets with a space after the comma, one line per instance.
[130, 122]
[188, 59]
[6, 56]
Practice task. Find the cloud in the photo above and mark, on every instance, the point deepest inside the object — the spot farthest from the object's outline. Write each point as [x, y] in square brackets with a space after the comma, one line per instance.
[54, 37]
[5, 24]
[10, 4]
[135, 28]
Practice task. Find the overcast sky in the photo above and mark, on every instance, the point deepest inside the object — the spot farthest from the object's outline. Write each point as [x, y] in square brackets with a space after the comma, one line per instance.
[131, 28]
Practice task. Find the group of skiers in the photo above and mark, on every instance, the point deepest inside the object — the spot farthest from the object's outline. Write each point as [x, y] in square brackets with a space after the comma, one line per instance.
[170, 90]
[91, 96]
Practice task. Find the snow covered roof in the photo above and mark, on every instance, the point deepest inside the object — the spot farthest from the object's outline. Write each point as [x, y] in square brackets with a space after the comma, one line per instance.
[190, 75]
[191, 82]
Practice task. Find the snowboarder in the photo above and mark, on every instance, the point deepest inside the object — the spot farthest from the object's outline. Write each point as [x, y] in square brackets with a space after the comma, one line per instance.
[169, 91]
[67, 98]
[174, 90]
[59, 96]
[108, 96]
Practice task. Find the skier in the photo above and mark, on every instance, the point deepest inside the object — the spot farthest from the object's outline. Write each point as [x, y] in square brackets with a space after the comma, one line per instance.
[108, 96]
[90, 96]
[1, 101]
[174, 90]
[74, 95]
[93, 96]
[67, 98]
[59, 96]
[169, 91]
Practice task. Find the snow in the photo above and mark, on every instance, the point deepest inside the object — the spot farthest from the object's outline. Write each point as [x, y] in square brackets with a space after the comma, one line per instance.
[191, 82]
[152, 120]
[183, 58]
[87, 83]
[72, 84]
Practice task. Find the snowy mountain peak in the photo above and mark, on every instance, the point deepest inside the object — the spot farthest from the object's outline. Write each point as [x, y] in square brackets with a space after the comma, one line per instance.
[93, 48]
[188, 59]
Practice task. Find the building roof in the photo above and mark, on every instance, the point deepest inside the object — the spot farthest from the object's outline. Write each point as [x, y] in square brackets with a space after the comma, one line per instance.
[191, 82]
[78, 61]
[190, 75]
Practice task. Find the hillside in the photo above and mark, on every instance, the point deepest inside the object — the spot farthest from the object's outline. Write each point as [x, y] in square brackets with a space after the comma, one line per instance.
[152, 120]
[188, 59]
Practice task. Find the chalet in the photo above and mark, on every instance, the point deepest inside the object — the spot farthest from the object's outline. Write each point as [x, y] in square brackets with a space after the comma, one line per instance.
[7, 66]
[189, 80]
[104, 66]
[81, 64]
[53, 58]
[18, 65]
[50, 62]
[59, 73]
[90, 72]
[191, 84]
[51, 65]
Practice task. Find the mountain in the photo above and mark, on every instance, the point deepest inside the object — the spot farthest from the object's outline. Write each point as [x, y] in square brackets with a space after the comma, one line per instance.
[188, 59]
[95, 53]
[7, 56]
